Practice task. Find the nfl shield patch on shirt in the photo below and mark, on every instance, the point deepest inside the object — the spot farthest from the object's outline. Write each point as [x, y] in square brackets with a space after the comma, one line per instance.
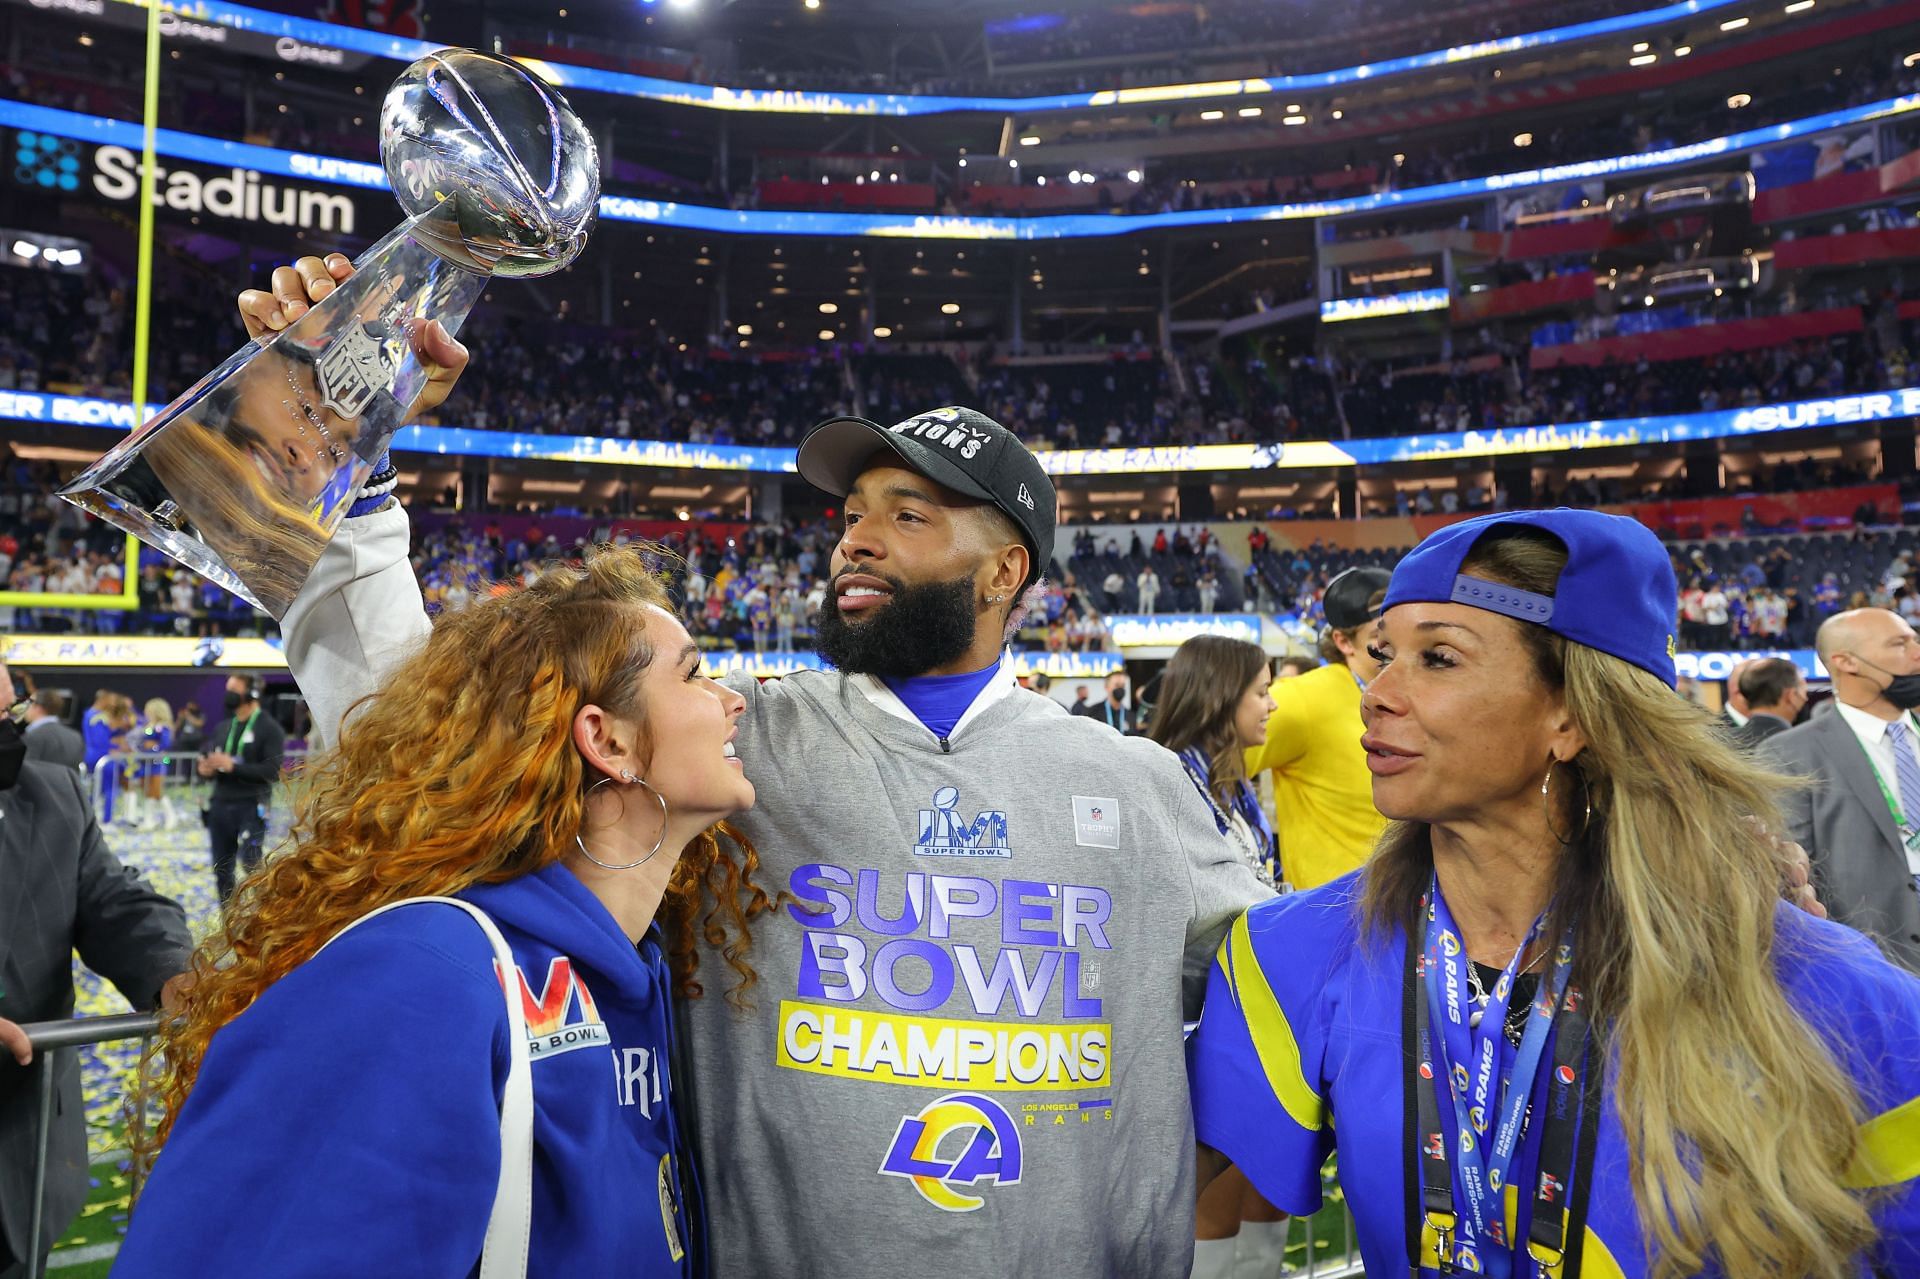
[1096, 822]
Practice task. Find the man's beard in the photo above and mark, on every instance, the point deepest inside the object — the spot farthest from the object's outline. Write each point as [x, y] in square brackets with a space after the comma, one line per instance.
[918, 629]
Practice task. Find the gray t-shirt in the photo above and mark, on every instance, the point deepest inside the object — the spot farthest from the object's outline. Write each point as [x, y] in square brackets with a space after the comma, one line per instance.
[964, 1055]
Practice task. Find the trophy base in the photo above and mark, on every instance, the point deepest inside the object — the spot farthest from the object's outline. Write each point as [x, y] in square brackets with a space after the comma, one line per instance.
[246, 476]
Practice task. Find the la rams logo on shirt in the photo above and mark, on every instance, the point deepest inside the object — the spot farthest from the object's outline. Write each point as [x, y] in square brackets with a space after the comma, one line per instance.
[562, 1016]
[960, 1140]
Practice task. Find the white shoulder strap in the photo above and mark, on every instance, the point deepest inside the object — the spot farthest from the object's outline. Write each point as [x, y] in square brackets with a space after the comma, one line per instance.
[510, 1227]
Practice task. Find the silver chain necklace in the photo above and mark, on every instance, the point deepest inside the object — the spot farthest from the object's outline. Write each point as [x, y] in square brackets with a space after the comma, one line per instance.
[1478, 993]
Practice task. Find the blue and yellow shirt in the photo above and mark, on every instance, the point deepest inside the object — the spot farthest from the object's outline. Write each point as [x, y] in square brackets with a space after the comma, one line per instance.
[1299, 1053]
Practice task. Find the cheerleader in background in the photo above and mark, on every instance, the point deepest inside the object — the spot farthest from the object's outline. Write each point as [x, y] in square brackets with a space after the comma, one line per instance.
[105, 727]
[156, 738]
[1214, 704]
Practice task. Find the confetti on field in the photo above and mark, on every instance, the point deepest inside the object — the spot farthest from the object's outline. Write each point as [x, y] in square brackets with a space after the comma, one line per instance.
[177, 862]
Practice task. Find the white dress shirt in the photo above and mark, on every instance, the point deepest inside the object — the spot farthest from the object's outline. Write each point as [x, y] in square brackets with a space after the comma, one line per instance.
[1872, 732]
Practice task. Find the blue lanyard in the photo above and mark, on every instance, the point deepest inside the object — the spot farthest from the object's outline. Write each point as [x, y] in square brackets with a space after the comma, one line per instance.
[1488, 1080]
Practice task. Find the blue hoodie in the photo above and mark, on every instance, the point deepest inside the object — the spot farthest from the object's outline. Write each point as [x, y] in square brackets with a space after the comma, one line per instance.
[348, 1122]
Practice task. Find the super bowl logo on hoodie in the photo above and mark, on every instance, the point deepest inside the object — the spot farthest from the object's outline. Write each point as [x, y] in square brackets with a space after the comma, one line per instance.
[946, 832]
[959, 1140]
[562, 1016]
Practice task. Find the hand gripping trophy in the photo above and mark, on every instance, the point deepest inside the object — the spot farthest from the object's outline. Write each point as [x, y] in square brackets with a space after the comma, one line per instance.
[246, 476]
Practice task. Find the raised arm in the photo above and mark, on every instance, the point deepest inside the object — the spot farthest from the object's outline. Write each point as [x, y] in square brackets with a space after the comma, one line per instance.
[361, 612]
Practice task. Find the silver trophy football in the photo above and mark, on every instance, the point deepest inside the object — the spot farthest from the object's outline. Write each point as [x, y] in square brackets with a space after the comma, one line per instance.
[246, 476]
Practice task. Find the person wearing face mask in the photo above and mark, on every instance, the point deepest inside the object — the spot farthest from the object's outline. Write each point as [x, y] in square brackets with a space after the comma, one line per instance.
[243, 760]
[1861, 824]
[61, 891]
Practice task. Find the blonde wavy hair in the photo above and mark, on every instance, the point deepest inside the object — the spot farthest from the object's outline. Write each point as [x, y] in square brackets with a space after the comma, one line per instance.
[1740, 1121]
[461, 770]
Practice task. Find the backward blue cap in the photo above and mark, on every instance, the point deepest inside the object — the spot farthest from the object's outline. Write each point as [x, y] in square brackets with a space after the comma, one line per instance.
[1617, 593]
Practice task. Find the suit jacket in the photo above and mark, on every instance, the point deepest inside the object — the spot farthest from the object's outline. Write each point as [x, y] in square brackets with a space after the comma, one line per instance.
[61, 890]
[259, 756]
[1757, 729]
[1859, 864]
[51, 742]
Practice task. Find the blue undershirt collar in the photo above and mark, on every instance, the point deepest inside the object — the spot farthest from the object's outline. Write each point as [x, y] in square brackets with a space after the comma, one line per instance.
[938, 701]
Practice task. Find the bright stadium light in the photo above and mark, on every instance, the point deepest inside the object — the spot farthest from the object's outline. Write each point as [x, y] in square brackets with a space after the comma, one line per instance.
[1800, 6]
[1248, 112]
[829, 308]
[1031, 140]
[1739, 100]
[1644, 60]
[744, 330]
[1912, 59]
[1642, 47]
[813, 4]
[949, 308]
[826, 335]
[1683, 51]
[1733, 24]
[25, 249]
[1213, 115]
[1293, 119]
[1041, 180]
[1133, 175]
[882, 331]
[1523, 139]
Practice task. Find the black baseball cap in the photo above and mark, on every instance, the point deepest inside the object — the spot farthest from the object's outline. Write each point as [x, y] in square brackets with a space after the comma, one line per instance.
[1345, 601]
[960, 448]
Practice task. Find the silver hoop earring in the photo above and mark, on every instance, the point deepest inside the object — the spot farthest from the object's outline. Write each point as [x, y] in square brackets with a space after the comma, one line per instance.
[1586, 799]
[631, 780]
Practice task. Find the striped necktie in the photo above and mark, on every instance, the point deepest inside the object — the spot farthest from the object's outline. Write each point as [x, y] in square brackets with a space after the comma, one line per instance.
[1906, 772]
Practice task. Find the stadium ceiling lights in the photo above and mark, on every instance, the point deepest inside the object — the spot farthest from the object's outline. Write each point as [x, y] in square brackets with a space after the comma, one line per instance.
[1643, 60]
[1734, 24]
[1213, 115]
[1800, 6]
[1031, 140]
[882, 331]
[949, 308]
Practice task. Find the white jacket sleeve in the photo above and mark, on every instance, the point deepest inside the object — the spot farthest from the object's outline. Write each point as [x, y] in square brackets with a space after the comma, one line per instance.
[358, 617]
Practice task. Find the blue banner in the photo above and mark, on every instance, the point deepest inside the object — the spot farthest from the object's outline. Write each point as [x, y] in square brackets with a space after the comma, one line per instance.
[838, 102]
[1716, 666]
[455, 441]
[694, 217]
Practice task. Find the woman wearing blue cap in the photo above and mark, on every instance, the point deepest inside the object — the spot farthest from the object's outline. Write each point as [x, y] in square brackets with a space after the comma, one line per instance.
[1562, 1024]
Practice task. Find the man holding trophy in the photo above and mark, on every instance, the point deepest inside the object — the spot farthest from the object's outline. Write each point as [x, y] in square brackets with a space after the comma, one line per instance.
[941, 1068]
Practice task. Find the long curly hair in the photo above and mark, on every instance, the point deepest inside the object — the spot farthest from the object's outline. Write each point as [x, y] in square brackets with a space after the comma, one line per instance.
[461, 770]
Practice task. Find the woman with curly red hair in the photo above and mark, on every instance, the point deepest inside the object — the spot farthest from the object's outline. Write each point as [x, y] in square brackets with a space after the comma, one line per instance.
[337, 1098]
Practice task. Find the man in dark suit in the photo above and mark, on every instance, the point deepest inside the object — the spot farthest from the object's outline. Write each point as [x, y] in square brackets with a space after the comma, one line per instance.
[1114, 711]
[1775, 692]
[1861, 824]
[49, 740]
[244, 759]
[61, 890]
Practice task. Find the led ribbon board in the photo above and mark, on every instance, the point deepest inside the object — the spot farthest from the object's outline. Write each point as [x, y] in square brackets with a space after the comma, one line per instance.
[176, 144]
[1561, 437]
[1334, 310]
[837, 102]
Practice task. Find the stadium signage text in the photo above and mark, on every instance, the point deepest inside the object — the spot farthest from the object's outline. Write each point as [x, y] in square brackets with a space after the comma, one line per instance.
[241, 194]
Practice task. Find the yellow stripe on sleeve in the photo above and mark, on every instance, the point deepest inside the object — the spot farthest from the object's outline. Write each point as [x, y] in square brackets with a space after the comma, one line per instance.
[1889, 1148]
[1273, 1039]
